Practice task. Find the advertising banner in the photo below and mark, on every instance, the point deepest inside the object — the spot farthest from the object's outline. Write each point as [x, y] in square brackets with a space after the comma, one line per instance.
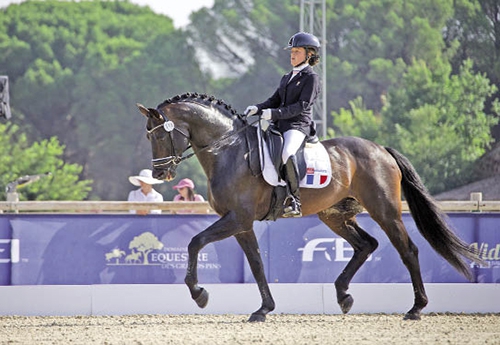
[114, 249]
[487, 243]
[8, 251]
[306, 251]
[130, 249]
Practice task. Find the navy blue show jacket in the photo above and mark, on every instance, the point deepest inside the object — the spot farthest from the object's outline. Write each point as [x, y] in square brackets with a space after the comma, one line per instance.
[292, 103]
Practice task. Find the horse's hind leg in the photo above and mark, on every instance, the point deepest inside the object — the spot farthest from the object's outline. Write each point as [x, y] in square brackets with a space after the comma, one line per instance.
[408, 252]
[362, 243]
[389, 218]
[248, 242]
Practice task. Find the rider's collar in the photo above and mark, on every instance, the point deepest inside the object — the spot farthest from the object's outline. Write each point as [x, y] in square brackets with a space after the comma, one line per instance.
[301, 67]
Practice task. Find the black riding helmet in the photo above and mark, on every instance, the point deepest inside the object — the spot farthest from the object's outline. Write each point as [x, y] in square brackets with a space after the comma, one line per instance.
[303, 39]
[307, 41]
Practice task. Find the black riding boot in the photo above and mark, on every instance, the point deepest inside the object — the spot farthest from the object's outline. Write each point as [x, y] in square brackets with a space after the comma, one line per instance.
[292, 201]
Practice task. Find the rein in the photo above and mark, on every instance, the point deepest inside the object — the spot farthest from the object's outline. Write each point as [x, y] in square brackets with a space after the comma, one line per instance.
[168, 126]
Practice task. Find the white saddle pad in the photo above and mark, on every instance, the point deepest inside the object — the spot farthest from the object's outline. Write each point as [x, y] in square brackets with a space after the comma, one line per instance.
[318, 167]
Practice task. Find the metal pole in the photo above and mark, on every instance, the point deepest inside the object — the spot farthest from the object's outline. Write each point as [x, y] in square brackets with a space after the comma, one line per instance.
[308, 13]
[323, 65]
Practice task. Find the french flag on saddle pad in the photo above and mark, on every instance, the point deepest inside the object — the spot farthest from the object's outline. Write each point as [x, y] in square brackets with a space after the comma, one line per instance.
[316, 177]
[318, 167]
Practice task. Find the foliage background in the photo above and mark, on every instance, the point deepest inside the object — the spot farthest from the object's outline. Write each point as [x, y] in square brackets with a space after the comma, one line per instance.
[18, 157]
[419, 75]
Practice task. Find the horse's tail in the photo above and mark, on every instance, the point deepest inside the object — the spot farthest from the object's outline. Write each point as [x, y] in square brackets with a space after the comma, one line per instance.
[431, 221]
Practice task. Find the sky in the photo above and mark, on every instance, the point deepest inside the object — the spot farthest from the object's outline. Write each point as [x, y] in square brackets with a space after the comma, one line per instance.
[178, 10]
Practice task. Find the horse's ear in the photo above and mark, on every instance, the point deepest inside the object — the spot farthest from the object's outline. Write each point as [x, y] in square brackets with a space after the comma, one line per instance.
[144, 111]
[155, 113]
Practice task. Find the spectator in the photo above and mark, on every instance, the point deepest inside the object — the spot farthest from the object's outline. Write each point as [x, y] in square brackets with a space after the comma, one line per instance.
[146, 193]
[185, 188]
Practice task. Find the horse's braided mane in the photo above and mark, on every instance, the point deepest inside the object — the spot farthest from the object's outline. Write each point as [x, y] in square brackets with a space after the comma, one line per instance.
[200, 98]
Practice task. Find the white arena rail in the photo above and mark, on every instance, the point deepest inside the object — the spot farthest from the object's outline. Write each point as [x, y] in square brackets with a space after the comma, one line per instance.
[198, 207]
[174, 299]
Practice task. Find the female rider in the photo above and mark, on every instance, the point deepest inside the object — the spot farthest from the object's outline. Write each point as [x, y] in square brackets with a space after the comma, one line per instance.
[290, 110]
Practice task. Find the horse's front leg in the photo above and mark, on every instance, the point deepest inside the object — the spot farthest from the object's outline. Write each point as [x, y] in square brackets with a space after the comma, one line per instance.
[250, 246]
[221, 229]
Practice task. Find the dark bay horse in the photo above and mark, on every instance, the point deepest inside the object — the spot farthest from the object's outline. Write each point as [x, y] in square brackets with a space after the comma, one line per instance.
[364, 174]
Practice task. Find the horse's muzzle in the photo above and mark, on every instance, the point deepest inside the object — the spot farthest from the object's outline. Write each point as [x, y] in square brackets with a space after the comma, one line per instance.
[167, 174]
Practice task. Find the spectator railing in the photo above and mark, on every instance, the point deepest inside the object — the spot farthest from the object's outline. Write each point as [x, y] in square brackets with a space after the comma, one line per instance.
[171, 207]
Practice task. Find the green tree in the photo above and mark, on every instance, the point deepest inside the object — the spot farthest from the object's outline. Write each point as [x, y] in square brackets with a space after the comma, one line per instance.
[436, 119]
[19, 158]
[357, 121]
[371, 42]
[388, 74]
[369, 45]
[245, 39]
[445, 128]
[78, 68]
[475, 26]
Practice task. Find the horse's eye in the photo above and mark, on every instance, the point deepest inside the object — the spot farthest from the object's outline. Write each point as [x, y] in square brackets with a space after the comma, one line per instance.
[161, 136]
[148, 136]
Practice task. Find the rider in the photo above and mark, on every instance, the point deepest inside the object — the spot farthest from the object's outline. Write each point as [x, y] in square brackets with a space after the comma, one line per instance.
[290, 110]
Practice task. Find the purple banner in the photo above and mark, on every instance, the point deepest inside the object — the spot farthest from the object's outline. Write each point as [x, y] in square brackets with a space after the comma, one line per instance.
[8, 251]
[306, 251]
[128, 249]
[125, 249]
[487, 243]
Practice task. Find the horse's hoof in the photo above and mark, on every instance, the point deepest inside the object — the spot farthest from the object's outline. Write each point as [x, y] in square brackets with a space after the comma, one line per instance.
[346, 304]
[202, 299]
[257, 318]
[411, 316]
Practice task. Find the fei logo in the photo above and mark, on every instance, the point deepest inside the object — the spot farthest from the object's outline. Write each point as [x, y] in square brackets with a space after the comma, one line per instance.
[339, 247]
[9, 251]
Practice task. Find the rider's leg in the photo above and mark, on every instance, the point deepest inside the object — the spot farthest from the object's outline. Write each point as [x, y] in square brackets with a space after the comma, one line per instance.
[292, 206]
[293, 139]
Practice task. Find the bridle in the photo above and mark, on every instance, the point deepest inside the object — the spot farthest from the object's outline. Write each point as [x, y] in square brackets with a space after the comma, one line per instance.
[174, 159]
[169, 127]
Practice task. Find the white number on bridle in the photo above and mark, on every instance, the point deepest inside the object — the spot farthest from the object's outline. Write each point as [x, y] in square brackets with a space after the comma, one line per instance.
[169, 126]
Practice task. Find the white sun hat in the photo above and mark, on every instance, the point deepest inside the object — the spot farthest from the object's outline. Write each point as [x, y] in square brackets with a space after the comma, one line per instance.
[146, 176]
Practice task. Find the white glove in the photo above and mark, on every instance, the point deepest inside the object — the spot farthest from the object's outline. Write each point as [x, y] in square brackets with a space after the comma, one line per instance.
[251, 110]
[267, 114]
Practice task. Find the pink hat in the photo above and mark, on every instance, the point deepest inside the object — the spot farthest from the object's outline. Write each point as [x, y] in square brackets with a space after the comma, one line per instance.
[185, 182]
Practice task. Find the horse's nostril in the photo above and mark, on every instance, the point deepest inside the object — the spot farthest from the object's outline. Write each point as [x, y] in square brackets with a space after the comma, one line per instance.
[170, 176]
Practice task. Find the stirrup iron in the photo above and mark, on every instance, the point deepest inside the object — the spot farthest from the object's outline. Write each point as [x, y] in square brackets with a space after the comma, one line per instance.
[293, 209]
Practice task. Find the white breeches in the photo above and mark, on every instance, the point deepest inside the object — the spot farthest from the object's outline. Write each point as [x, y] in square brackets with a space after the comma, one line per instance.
[293, 138]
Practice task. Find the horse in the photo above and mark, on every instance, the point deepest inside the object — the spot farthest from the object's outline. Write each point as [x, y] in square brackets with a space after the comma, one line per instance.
[114, 254]
[365, 175]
